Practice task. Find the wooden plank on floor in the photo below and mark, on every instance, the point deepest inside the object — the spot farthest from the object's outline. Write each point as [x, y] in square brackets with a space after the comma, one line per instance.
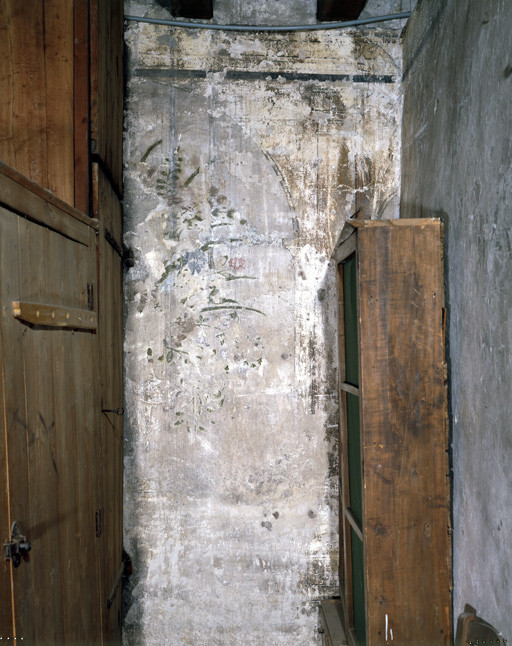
[330, 613]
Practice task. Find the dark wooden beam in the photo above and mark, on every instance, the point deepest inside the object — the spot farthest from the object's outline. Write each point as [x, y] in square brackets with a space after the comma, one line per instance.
[334, 10]
[202, 9]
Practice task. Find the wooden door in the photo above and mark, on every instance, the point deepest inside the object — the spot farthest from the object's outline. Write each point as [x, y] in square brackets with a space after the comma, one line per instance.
[61, 107]
[49, 412]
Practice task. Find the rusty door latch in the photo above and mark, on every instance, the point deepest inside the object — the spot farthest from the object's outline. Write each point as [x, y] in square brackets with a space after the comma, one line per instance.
[17, 546]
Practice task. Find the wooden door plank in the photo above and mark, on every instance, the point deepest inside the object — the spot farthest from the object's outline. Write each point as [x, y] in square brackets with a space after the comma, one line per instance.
[84, 384]
[6, 614]
[23, 143]
[64, 288]
[29, 203]
[13, 420]
[58, 63]
[107, 209]
[36, 103]
[46, 621]
[73, 378]
[26, 201]
[107, 87]
[7, 118]
[81, 104]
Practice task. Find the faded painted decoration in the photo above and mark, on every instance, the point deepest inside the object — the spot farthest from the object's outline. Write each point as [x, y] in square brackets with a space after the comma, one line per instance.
[244, 156]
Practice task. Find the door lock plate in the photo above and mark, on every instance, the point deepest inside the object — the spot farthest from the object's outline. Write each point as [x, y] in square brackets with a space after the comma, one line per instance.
[17, 546]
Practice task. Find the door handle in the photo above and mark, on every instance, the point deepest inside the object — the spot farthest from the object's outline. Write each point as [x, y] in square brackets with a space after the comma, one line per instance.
[17, 546]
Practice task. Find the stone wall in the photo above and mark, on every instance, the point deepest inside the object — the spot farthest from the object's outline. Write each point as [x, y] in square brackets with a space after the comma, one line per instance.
[244, 154]
[457, 150]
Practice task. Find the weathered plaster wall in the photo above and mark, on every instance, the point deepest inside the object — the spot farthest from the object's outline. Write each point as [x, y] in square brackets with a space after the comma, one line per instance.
[457, 151]
[244, 155]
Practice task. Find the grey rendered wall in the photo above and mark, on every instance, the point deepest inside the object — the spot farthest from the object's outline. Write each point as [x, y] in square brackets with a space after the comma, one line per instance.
[244, 154]
[457, 154]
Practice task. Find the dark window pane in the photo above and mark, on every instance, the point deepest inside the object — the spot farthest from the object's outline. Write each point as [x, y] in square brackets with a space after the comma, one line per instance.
[350, 321]
[354, 455]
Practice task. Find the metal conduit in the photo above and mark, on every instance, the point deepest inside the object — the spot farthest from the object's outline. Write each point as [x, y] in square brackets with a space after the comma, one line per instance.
[315, 27]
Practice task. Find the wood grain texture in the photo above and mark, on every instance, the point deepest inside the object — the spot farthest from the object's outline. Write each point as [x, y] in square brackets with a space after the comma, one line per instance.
[106, 20]
[59, 79]
[13, 418]
[81, 112]
[23, 142]
[404, 441]
[406, 499]
[51, 418]
[107, 208]
[45, 623]
[41, 206]
[36, 134]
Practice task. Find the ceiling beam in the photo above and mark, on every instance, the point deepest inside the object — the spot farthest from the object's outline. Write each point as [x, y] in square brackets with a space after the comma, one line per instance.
[334, 10]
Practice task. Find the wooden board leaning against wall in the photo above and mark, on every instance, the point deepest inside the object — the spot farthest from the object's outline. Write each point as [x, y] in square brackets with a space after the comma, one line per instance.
[395, 577]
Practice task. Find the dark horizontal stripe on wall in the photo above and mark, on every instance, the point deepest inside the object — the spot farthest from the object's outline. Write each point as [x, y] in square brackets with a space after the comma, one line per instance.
[170, 74]
[297, 76]
[236, 75]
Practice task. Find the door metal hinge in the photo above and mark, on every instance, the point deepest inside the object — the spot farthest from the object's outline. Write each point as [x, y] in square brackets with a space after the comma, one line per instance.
[17, 546]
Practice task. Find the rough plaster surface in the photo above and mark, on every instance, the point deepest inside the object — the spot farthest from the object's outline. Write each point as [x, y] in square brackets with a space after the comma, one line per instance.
[457, 150]
[243, 156]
